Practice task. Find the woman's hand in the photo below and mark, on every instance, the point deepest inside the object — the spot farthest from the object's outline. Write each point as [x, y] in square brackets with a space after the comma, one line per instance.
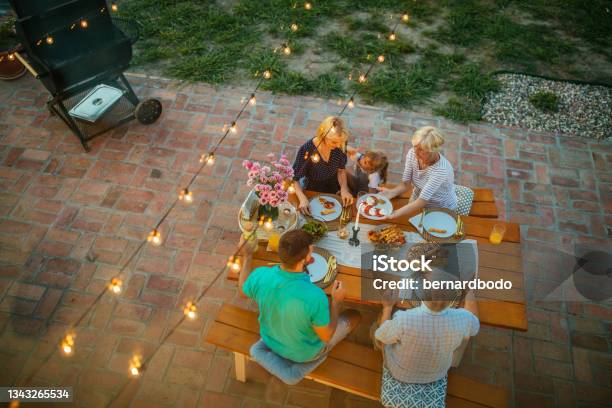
[391, 216]
[304, 206]
[352, 152]
[347, 197]
[386, 192]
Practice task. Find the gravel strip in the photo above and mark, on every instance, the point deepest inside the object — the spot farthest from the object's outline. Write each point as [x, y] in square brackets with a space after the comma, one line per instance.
[584, 110]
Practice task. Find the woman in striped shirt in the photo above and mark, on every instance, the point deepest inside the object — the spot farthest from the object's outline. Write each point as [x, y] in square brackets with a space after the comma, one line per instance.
[430, 173]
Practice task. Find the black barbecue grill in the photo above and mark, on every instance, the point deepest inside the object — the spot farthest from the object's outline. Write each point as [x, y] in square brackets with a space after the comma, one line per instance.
[72, 58]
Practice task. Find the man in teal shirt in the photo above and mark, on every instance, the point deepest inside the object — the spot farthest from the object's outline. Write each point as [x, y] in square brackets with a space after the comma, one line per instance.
[296, 320]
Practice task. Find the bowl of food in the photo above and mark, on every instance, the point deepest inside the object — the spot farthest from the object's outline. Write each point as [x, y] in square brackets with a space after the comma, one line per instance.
[316, 229]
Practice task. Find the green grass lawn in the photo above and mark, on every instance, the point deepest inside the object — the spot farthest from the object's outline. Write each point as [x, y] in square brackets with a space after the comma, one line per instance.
[440, 61]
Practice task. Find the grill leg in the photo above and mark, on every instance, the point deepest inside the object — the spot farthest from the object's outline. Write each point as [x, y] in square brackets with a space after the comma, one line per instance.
[130, 92]
[60, 110]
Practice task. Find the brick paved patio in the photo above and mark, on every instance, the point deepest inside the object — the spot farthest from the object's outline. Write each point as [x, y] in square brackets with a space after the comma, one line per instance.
[69, 219]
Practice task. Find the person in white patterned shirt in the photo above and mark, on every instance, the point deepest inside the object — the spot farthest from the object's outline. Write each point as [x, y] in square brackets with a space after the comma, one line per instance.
[418, 346]
[430, 174]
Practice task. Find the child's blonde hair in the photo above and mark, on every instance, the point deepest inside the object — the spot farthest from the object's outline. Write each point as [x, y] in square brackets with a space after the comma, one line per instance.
[380, 163]
[429, 138]
[332, 127]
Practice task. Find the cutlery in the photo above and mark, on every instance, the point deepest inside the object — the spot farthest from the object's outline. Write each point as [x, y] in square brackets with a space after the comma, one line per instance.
[421, 221]
[331, 264]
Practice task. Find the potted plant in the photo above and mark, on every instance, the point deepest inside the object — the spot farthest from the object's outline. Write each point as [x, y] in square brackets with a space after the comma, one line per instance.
[269, 183]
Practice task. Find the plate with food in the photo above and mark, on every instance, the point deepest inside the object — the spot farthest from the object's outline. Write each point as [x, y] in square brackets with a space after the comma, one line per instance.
[322, 267]
[374, 206]
[326, 208]
[316, 229]
[387, 235]
[439, 223]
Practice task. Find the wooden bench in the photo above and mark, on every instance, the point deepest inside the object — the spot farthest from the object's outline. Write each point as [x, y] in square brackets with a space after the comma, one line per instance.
[483, 205]
[350, 366]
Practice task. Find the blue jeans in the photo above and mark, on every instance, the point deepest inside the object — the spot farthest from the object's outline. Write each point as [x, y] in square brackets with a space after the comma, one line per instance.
[291, 372]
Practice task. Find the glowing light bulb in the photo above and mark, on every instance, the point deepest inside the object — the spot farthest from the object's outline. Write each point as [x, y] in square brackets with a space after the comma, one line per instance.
[381, 58]
[84, 24]
[315, 158]
[233, 127]
[134, 371]
[268, 225]
[230, 261]
[154, 237]
[252, 100]
[208, 158]
[286, 49]
[190, 311]
[11, 57]
[186, 196]
[362, 78]
[351, 103]
[294, 27]
[135, 366]
[261, 220]
[267, 74]
[68, 344]
[114, 7]
[115, 286]
[291, 189]
[308, 5]
[405, 17]
[392, 36]
[49, 40]
[236, 265]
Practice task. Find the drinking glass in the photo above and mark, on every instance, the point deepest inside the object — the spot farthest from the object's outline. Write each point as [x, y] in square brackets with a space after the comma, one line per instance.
[497, 234]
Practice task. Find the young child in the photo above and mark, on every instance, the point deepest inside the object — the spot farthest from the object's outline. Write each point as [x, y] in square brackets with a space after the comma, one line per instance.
[366, 171]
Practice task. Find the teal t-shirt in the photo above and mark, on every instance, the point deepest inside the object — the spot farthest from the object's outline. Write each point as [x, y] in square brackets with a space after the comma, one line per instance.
[289, 305]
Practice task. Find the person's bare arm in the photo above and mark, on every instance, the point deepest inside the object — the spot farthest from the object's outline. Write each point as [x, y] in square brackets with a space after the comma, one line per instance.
[247, 256]
[470, 303]
[303, 203]
[390, 193]
[325, 333]
[345, 193]
[409, 209]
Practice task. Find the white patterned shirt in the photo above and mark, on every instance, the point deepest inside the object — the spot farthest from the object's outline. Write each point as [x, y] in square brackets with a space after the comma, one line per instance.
[434, 184]
[419, 343]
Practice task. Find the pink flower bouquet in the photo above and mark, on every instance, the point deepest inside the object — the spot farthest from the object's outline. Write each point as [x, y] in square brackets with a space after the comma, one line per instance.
[268, 182]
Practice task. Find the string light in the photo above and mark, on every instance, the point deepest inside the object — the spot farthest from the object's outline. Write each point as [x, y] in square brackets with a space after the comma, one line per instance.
[294, 27]
[308, 5]
[68, 344]
[291, 189]
[381, 58]
[11, 57]
[351, 103]
[208, 158]
[49, 40]
[233, 127]
[362, 78]
[135, 366]
[186, 196]
[315, 158]
[154, 237]
[405, 17]
[234, 263]
[114, 7]
[252, 99]
[84, 24]
[286, 49]
[267, 74]
[392, 36]
[190, 310]
[115, 286]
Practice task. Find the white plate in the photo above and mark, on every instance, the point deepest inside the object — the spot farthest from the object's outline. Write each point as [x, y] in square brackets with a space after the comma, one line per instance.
[316, 207]
[386, 207]
[318, 268]
[441, 220]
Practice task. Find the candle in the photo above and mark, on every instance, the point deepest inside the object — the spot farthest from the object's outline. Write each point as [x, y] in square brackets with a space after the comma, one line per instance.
[357, 220]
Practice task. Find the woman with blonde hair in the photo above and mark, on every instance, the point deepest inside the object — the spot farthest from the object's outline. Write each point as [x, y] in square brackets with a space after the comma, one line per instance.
[320, 163]
[430, 174]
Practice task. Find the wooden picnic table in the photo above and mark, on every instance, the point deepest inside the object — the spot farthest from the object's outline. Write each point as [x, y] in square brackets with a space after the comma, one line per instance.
[500, 308]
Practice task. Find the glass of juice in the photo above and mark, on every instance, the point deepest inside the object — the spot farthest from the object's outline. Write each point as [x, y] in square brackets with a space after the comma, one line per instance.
[273, 240]
[497, 234]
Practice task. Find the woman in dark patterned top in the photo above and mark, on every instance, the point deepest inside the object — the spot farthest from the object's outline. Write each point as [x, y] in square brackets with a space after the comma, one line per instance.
[321, 162]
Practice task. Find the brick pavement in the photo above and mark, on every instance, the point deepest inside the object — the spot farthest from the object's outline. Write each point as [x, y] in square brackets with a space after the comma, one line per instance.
[69, 219]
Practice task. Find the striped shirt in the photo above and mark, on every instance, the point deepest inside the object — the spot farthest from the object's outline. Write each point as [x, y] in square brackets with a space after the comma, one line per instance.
[419, 343]
[434, 184]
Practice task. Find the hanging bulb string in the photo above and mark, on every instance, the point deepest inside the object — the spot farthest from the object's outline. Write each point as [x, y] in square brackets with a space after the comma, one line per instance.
[170, 332]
